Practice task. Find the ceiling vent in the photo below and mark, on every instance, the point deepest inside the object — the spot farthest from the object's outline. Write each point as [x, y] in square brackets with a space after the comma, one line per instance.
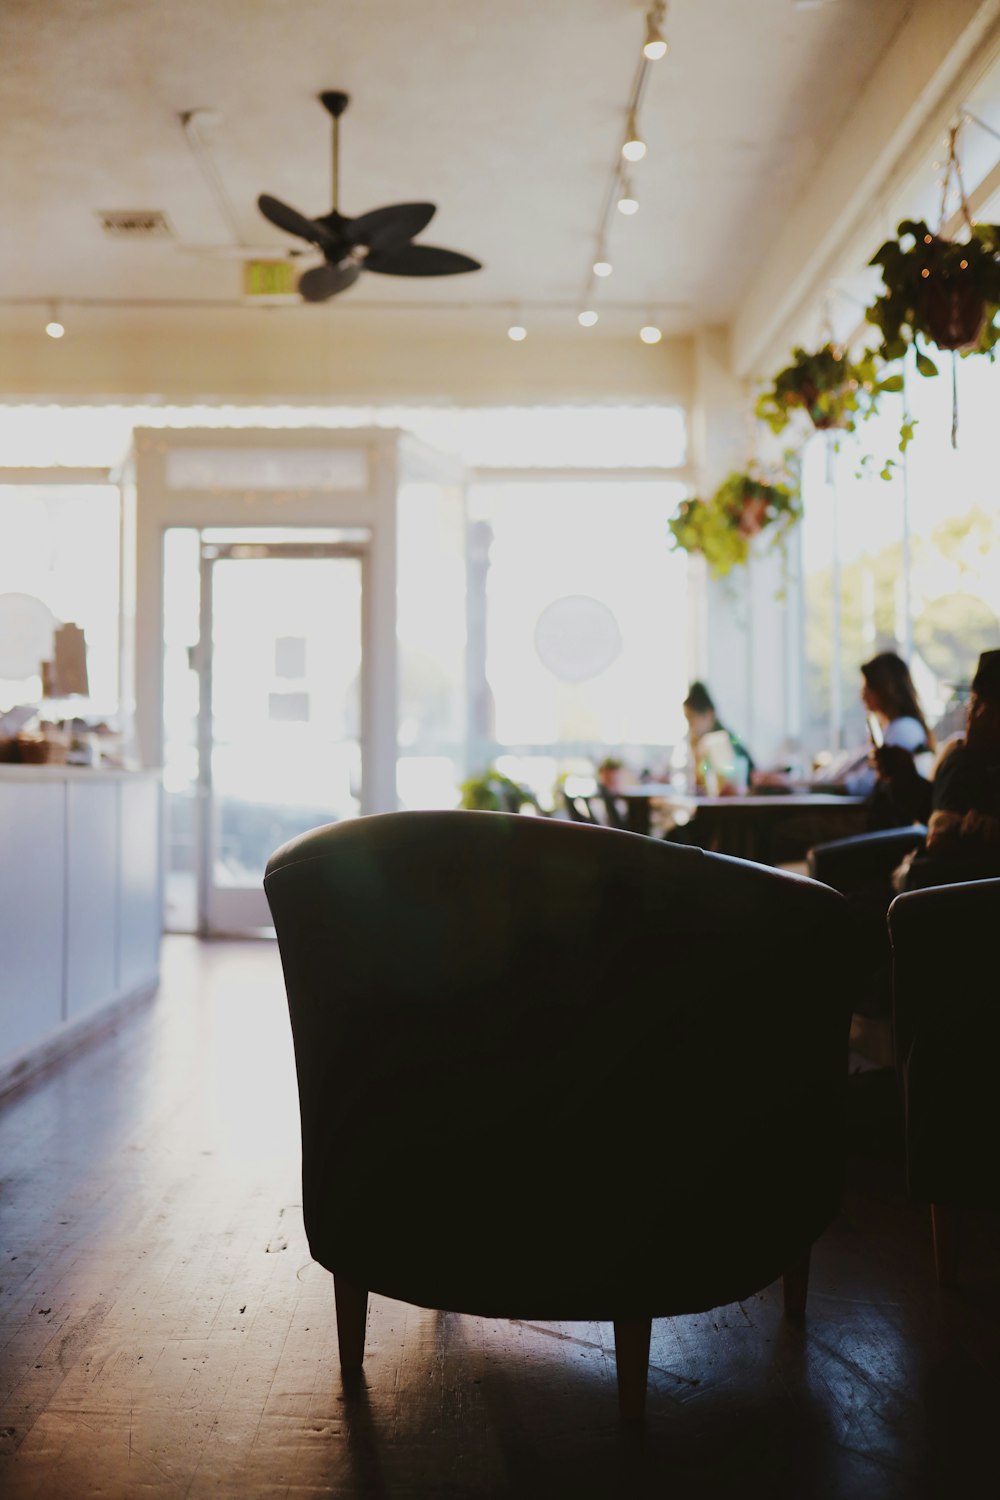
[135, 224]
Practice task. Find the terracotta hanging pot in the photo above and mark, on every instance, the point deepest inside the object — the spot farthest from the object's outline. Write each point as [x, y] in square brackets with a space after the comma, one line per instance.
[955, 314]
[753, 516]
[808, 395]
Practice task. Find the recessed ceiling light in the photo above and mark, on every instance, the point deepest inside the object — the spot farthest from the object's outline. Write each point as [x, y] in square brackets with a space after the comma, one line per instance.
[516, 333]
[587, 318]
[650, 334]
[603, 268]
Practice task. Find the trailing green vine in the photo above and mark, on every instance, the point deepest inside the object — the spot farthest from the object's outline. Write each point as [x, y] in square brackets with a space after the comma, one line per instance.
[938, 293]
[721, 529]
[834, 390]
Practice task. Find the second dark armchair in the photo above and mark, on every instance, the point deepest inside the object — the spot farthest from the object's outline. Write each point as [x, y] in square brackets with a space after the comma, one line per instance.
[946, 1020]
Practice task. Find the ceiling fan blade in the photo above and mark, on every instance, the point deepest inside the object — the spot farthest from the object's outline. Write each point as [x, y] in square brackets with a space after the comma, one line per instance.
[321, 282]
[385, 228]
[293, 222]
[420, 260]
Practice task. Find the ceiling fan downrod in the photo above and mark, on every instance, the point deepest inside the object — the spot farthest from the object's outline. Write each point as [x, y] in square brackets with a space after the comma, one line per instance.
[334, 101]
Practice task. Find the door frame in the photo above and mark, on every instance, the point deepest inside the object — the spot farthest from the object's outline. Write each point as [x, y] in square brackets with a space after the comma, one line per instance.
[155, 501]
[211, 553]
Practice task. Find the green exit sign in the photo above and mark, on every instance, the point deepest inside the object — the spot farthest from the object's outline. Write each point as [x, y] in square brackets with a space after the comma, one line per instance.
[269, 278]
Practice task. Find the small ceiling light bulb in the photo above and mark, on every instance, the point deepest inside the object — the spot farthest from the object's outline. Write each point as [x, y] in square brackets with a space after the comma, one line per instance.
[602, 268]
[655, 45]
[634, 148]
[54, 327]
[516, 333]
[587, 318]
[650, 334]
[627, 203]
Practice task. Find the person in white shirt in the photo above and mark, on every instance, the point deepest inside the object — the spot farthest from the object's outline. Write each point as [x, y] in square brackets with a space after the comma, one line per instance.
[887, 691]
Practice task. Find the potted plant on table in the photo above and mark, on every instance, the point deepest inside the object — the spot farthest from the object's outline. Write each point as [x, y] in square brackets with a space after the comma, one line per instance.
[495, 792]
[720, 529]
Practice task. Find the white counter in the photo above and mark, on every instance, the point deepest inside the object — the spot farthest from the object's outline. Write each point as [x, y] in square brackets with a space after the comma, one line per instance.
[80, 904]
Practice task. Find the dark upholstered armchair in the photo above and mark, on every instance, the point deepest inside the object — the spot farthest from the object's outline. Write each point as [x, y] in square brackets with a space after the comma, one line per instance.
[946, 1021]
[866, 860]
[558, 1072]
[861, 868]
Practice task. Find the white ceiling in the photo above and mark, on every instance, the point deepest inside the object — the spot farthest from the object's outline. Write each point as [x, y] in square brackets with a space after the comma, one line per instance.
[506, 113]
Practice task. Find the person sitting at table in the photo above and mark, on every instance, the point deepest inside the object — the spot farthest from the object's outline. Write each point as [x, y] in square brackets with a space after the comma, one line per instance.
[888, 694]
[963, 829]
[703, 721]
[961, 806]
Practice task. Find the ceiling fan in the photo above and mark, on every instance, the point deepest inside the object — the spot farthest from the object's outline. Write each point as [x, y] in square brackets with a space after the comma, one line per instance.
[381, 240]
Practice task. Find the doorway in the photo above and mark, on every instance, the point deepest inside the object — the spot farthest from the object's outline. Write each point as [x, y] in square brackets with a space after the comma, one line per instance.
[202, 508]
[281, 683]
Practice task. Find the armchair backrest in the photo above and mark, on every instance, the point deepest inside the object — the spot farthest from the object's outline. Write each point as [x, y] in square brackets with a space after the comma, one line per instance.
[519, 1041]
[946, 1029]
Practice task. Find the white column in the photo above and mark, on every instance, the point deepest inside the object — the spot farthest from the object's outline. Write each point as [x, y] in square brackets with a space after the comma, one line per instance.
[741, 624]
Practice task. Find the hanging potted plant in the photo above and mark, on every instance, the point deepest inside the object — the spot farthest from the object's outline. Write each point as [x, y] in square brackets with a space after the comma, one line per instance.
[833, 389]
[939, 291]
[720, 529]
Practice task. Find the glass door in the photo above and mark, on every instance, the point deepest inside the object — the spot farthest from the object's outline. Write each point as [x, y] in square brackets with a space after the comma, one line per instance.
[280, 711]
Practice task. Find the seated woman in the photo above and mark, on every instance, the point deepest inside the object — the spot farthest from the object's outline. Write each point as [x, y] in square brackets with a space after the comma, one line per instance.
[888, 693]
[887, 777]
[703, 720]
[703, 723]
[963, 831]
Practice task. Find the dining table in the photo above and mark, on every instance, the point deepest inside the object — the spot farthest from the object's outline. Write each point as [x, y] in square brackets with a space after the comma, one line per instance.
[744, 824]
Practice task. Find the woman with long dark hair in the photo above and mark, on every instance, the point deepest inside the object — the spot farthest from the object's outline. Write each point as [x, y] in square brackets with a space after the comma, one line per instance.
[888, 693]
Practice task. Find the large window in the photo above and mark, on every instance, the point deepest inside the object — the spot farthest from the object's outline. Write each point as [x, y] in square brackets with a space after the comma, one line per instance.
[58, 565]
[909, 565]
[585, 625]
[577, 606]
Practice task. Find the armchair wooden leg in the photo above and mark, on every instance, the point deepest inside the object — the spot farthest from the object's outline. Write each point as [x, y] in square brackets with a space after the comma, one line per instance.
[795, 1284]
[352, 1316]
[632, 1359]
[946, 1233]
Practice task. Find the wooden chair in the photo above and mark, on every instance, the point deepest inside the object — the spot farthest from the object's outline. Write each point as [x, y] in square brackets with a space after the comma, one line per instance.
[534, 1075]
[600, 808]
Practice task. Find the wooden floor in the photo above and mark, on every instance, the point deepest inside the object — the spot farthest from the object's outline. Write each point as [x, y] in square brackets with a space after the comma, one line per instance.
[164, 1332]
